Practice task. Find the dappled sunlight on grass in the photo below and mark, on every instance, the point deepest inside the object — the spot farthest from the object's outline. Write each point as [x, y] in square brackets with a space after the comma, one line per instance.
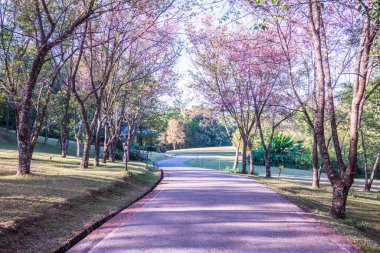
[54, 180]
[362, 208]
[58, 200]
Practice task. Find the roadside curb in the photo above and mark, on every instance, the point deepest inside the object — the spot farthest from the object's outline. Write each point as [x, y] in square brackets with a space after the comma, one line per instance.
[68, 245]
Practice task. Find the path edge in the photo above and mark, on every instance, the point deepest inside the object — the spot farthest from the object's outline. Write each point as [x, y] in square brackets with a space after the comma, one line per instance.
[76, 239]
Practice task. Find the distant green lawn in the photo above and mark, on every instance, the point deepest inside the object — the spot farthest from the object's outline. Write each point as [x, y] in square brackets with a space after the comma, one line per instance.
[224, 159]
[362, 225]
[222, 151]
[58, 200]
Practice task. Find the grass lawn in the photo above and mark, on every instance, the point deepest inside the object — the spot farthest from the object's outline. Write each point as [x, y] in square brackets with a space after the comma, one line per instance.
[39, 212]
[156, 157]
[220, 151]
[362, 225]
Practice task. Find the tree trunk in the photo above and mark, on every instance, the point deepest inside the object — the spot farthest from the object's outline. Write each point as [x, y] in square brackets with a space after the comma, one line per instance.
[251, 165]
[236, 162]
[78, 146]
[24, 110]
[127, 149]
[126, 155]
[105, 154]
[316, 178]
[244, 159]
[64, 127]
[24, 158]
[63, 143]
[316, 171]
[112, 151]
[339, 199]
[265, 148]
[86, 151]
[267, 164]
[7, 123]
[47, 132]
[367, 186]
[106, 143]
[97, 143]
[369, 181]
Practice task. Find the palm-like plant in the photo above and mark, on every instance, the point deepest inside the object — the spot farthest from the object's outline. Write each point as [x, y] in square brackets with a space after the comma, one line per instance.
[282, 143]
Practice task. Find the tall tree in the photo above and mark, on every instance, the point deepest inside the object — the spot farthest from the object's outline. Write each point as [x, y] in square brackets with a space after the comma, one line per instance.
[240, 72]
[324, 26]
[37, 27]
[175, 133]
[342, 180]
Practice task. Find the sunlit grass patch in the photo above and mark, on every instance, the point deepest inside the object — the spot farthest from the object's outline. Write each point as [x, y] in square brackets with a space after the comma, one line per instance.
[39, 212]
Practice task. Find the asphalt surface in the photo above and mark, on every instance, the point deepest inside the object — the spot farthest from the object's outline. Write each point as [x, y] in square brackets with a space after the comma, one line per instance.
[203, 210]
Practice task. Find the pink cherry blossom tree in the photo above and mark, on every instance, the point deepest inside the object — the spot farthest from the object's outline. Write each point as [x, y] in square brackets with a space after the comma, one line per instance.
[241, 72]
[339, 35]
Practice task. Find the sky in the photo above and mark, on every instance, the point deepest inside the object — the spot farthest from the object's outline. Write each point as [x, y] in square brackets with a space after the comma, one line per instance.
[184, 64]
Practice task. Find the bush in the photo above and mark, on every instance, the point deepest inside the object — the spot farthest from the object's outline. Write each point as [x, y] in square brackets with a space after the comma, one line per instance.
[119, 154]
[150, 148]
[292, 159]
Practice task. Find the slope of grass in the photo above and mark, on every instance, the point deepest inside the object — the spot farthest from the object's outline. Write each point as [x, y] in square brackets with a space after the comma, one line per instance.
[41, 211]
[362, 225]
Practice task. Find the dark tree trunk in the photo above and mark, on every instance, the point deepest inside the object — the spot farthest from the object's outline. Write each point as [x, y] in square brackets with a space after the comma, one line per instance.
[339, 199]
[23, 148]
[316, 171]
[97, 143]
[106, 144]
[112, 152]
[251, 165]
[24, 158]
[23, 125]
[86, 151]
[47, 132]
[244, 158]
[105, 154]
[127, 149]
[367, 186]
[267, 163]
[126, 160]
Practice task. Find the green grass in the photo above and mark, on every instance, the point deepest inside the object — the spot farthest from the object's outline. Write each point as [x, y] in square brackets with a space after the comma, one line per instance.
[156, 157]
[221, 151]
[223, 162]
[41, 211]
[362, 225]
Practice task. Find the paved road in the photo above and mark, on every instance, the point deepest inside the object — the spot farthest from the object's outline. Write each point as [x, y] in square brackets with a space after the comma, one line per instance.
[202, 210]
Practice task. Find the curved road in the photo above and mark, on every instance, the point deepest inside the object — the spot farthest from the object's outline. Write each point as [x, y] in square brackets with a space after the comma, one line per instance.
[203, 210]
